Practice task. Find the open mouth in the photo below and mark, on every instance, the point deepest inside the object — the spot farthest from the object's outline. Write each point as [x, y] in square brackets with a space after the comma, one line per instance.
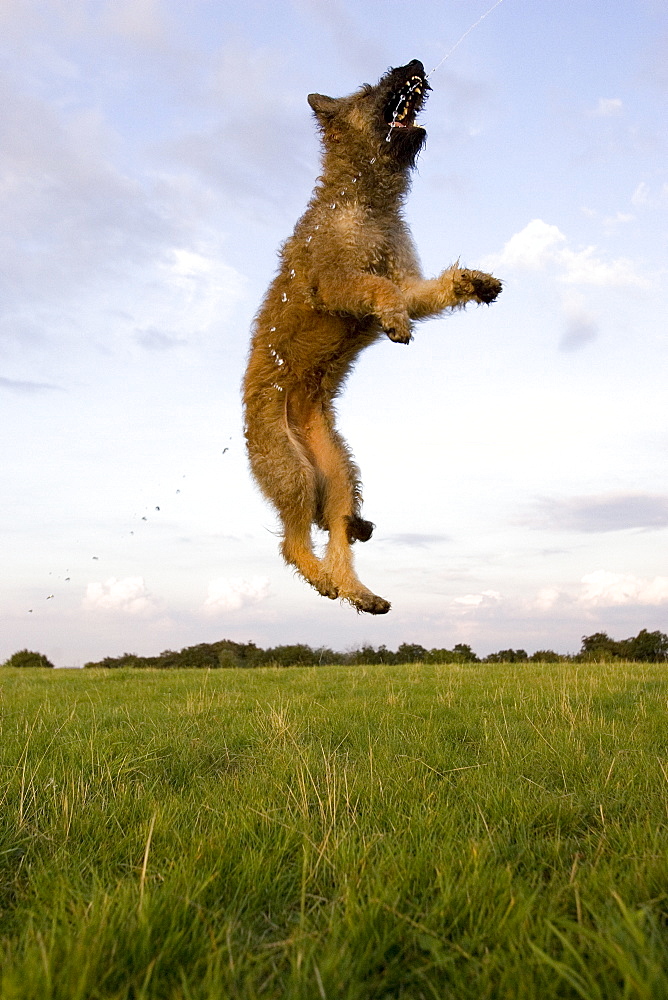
[404, 103]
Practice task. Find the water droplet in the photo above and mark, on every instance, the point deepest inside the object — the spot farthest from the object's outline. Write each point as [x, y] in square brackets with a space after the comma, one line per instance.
[272, 330]
[293, 273]
[354, 180]
[333, 205]
[284, 297]
[317, 227]
[308, 239]
[372, 160]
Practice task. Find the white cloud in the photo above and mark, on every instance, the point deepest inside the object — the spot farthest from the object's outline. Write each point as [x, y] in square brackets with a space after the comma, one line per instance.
[231, 594]
[475, 600]
[547, 598]
[607, 107]
[128, 595]
[540, 246]
[604, 589]
[583, 267]
[534, 247]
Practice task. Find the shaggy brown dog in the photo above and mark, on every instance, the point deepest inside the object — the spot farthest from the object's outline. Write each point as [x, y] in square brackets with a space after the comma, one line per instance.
[348, 274]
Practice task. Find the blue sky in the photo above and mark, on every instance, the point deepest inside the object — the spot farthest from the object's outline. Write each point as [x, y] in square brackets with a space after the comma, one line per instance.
[154, 155]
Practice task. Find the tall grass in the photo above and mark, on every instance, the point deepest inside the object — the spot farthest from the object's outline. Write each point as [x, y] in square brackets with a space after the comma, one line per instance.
[481, 831]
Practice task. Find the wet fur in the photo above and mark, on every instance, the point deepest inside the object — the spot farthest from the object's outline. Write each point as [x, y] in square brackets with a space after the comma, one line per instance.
[348, 276]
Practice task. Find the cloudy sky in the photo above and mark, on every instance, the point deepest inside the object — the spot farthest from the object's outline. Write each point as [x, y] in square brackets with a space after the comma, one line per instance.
[154, 154]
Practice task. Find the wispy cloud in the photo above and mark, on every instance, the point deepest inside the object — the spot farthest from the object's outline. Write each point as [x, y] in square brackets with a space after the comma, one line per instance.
[581, 326]
[29, 388]
[355, 45]
[645, 197]
[607, 107]
[136, 21]
[415, 539]
[157, 340]
[601, 513]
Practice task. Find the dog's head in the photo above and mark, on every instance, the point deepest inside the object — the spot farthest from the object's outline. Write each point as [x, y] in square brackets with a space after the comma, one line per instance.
[378, 121]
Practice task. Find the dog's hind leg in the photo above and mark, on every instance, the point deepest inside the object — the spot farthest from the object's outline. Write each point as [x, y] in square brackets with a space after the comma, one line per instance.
[297, 510]
[340, 512]
[284, 469]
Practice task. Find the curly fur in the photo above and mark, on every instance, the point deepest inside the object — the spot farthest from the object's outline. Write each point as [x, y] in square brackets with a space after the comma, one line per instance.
[348, 275]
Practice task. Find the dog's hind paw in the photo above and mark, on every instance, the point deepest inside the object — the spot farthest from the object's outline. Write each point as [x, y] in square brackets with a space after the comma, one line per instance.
[368, 602]
[359, 530]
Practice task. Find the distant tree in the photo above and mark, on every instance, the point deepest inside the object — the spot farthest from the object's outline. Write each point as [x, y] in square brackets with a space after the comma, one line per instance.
[411, 653]
[26, 658]
[228, 657]
[460, 653]
[203, 656]
[328, 657]
[508, 656]
[648, 647]
[439, 656]
[116, 662]
[292, 656]
[599, 646]
[545, 656]
[247, 653]
[464, 653]
[368, 656]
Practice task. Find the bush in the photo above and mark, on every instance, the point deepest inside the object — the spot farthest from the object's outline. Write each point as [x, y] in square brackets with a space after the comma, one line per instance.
[26, 658]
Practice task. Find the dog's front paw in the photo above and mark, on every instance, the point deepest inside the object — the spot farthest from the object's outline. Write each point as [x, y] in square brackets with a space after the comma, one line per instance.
[486, 286]
[477, 286]
[397, 326]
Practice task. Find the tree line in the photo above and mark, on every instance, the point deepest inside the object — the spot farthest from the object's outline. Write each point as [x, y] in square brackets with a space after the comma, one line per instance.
[648, 647]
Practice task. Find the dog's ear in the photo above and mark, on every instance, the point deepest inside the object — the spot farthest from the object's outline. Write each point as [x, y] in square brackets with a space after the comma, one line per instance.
[324, 107]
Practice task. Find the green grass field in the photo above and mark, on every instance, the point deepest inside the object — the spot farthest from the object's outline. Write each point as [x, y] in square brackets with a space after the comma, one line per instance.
[479, 831]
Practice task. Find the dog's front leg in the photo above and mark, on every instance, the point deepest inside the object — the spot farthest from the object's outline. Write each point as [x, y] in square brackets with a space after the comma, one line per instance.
[361, 294]
[451, 290]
